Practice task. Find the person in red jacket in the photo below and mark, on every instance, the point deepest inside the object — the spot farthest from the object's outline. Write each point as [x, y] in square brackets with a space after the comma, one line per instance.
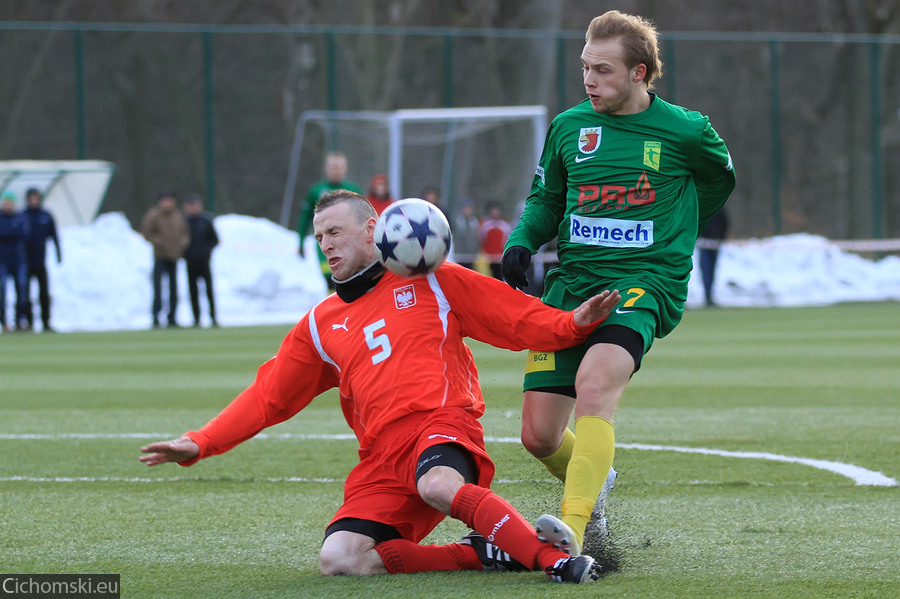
[493, 233]
[379, 193]
[409, 389]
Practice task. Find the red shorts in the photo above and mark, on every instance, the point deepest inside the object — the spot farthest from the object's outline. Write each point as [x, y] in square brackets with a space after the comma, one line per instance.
[382, 487]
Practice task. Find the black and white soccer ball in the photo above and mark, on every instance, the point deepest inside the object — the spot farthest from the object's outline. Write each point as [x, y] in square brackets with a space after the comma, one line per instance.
[412, 237]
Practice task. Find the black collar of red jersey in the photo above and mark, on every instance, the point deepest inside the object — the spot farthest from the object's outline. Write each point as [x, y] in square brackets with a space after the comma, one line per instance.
[357, 285]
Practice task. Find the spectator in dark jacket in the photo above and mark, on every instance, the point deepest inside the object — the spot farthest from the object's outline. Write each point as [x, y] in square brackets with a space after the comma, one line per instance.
[41, 227]
[197, 256]
[466, 243]
[13, 261]
[710, 241]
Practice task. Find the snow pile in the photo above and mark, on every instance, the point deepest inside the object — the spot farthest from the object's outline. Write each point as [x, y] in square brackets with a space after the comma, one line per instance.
[104, 281]
[797, 270]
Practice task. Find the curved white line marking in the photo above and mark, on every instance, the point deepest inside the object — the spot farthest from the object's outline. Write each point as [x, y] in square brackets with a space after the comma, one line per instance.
[858, 474]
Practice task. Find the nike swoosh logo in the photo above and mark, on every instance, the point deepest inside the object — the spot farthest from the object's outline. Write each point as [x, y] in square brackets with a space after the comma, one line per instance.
[582, 158]
[621, 311]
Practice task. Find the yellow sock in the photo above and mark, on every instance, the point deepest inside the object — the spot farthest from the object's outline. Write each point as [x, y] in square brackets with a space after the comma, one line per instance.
[592, 457]
[558, 461]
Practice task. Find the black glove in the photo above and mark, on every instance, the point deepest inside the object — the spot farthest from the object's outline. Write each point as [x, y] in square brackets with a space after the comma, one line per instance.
[513, 266]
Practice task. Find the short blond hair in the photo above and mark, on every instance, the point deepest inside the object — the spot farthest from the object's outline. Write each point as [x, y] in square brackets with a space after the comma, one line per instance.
[638, 37]
[361, 207]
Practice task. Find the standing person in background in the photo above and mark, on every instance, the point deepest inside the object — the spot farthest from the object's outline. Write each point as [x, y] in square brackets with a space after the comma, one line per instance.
[13, 261]
[492, 234]
[41, 227]
[165, 227]
[379, 193]
[715, 231]
[627, 181]
[432, 195]
[465, 234]
[335, 178]
[197, 256]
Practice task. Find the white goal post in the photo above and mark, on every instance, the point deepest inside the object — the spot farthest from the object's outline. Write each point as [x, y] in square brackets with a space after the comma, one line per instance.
[488, 152]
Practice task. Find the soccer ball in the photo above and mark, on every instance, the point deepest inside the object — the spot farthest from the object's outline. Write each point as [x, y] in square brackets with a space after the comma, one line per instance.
[412, 237]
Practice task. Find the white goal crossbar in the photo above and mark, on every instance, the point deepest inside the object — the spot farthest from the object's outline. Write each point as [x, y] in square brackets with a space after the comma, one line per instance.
[395, 122]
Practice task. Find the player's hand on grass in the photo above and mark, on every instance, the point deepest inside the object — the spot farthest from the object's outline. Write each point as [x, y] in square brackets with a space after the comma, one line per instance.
[597, 308]
[176, 450]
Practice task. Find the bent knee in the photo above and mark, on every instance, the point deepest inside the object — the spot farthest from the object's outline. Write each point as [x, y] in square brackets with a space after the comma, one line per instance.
[340, 558]
[333, 562]
[540, 442]
[337, 564]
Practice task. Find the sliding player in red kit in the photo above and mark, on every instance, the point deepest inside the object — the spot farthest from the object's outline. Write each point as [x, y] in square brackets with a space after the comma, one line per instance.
[409, 390]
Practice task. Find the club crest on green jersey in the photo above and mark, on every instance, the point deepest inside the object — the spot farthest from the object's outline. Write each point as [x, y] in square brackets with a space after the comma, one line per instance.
[652, 153]
[589, 139]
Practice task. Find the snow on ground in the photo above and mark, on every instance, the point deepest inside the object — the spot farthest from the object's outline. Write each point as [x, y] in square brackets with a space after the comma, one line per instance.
[104, 281]
[797, 270]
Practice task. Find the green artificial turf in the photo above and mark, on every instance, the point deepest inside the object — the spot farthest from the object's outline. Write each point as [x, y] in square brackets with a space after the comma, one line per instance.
[815, 383]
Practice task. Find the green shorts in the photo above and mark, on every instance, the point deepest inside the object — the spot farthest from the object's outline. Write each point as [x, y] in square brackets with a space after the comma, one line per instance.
[638, 310]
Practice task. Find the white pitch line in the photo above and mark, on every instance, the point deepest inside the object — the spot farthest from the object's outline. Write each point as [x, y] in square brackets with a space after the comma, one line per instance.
[861, 476]
[175, 479]
[55, 436]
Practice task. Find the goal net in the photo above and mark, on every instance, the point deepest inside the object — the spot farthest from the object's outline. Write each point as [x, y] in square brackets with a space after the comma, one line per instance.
[486, 154]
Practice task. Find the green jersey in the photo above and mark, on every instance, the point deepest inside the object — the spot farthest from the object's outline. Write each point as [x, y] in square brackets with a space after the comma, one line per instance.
[626, 195]
[316, 191]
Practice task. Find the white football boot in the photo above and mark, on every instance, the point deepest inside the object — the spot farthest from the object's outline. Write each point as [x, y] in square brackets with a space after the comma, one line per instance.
[598, 526]
[551, 529]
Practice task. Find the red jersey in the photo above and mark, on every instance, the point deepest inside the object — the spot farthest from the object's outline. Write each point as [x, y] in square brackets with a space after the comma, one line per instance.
[380, 204]
[396, 350]
[493, 233]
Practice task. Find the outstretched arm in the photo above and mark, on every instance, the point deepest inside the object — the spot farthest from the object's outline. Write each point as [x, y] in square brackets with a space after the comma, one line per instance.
[182, 449]
[514, 320]
[597, 308]
[284, 385]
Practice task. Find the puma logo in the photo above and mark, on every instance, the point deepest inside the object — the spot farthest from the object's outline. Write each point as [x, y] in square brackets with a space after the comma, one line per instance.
[342, 325]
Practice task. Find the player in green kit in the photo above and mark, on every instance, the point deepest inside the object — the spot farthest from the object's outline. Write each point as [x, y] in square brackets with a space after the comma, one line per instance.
[626, 181]
[335, 173]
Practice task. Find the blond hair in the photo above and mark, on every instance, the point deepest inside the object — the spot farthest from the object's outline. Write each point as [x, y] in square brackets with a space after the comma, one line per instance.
[362, 208]
[638, 37]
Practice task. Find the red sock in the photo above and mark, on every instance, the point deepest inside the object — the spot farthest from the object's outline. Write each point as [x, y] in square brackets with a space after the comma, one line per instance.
[401, 556]
[497, 521]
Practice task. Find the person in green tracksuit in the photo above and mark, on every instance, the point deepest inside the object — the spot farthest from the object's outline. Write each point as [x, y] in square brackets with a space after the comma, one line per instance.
[626, 181]
[335, 174]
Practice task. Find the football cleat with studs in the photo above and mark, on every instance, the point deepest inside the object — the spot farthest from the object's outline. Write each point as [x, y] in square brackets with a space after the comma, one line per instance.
[578, 569]
[551, 529]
